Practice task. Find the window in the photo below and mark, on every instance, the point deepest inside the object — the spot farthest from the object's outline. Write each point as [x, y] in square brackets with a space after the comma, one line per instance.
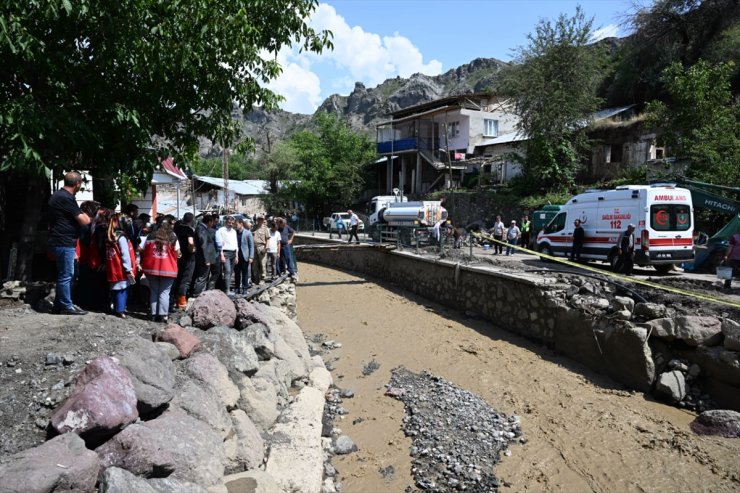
[453, 129]
[615, 155]
[490, 128]
[557, 224]
[670, 217]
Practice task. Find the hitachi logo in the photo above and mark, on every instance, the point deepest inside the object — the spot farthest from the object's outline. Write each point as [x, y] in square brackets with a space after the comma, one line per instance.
[720, 205]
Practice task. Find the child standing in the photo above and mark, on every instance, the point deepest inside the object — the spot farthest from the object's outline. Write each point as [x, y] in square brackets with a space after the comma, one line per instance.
[120, 265]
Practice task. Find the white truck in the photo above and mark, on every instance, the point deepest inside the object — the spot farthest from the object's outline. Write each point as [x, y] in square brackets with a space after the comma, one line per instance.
[395, 215]
[662, 215]
[338, 223]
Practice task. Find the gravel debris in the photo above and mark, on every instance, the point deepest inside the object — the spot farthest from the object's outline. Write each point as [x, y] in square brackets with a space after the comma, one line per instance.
[370, 368]
[457, 437]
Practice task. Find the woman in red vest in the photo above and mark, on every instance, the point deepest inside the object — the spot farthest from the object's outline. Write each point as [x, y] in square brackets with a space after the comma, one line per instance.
[120, 264]
[159, 262]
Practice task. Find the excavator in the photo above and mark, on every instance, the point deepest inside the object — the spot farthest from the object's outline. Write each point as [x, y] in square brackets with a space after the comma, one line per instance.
[709, 251]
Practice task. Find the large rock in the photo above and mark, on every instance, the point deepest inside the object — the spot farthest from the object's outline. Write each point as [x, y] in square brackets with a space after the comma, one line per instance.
[693, 330]
[245, 449]
[720, 422]
[320, 378]
[102, 401]
[117, 480]
[61, 464]
[731, 331]
[671, 385]
[623, 303]
[169, 485]
[292, 335]
[255, 481]
[650, 310]
[173, 445]
[258, 398]
[296, 460]
[233, 349]
[153, 373]
[258, 337]
[206, 368]
[277, 372]
[203, 403]
[211, 309]
[248, 313]
[719, 363]
[184, 341]
[628, 356]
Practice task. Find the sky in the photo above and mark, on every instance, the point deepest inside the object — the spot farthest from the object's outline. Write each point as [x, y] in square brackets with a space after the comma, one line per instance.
[375, 40]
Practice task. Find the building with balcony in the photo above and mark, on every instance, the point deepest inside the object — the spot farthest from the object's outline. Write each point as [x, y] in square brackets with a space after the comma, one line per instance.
[430, 146]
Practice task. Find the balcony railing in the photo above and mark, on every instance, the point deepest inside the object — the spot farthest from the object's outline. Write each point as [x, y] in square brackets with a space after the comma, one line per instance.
[399, 145]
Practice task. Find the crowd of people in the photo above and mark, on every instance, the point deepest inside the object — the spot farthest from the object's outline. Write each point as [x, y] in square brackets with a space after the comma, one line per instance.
[512, 235]
[103, 258]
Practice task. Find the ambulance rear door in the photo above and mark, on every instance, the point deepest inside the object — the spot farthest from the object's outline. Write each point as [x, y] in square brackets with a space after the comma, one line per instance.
[666, 237]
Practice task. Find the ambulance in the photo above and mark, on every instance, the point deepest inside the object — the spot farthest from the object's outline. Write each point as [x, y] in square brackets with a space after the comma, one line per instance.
[662, 215]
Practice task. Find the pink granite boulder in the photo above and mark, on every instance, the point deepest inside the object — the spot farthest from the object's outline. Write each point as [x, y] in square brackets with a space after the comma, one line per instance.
[102, 402]
[184, 341]
[212, 308]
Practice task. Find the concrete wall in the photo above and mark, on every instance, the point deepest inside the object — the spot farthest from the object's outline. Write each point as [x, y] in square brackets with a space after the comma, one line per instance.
[522, 303]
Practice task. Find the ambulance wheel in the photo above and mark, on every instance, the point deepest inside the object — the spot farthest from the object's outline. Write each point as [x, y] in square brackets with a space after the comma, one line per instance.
[614, 261]
[545, 249]
[663, 269]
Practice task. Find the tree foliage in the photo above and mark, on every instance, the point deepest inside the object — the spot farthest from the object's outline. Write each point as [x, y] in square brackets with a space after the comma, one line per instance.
[108, 86]
[668, 31]
[700, 120]
[552, 84]
[241, 167]
[325, 167]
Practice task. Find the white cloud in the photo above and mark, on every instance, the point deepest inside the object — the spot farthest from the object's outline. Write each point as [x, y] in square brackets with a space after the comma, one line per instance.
[369, 57]
[300, 87]
[609, 31]
[357, 56]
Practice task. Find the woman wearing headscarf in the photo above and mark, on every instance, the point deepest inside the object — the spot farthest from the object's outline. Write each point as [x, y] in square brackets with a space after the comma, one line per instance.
[160, 252]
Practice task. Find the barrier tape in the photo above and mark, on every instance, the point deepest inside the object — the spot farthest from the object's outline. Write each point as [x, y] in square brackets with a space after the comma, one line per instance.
[643, 282]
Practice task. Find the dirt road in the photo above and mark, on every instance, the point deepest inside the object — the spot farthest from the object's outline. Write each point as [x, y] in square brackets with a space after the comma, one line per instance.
[584, 432]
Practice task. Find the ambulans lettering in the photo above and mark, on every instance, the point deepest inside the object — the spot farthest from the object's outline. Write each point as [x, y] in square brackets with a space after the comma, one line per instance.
[670, 198]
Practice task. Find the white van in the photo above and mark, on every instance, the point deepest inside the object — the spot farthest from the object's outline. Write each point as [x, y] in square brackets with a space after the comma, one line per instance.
[663, 217]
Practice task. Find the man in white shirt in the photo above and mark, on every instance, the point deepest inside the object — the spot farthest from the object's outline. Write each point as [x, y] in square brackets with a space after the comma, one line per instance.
[353, 223]
[512, 237]
[226, 238]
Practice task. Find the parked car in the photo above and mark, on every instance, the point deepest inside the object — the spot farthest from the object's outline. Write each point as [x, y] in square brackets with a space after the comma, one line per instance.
[339, 220]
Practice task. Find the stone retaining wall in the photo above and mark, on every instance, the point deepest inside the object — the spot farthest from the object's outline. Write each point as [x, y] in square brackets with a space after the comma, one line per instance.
[596, 329]
[226, 400]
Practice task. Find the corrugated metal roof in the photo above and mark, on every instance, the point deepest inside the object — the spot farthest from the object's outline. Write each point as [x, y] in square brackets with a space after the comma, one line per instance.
[503, 139]
[610, 112]
[240, 187]
[169, 167]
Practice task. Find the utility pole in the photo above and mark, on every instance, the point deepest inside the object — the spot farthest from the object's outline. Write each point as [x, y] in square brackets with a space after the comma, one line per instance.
[226, 179]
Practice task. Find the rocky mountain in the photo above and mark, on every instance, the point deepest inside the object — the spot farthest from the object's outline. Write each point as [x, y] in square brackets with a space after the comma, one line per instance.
[365, 107]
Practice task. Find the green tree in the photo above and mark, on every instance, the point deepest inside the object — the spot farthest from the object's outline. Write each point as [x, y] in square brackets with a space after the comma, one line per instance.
[241, 167]
[668, 31]
[552, 84]
[111, 86]
[328, 166]
[700, 121]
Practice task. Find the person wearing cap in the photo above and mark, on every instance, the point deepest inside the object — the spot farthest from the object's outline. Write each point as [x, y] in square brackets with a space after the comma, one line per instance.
[512, 237]
[261, 235]
[626, 251]
[579, 237]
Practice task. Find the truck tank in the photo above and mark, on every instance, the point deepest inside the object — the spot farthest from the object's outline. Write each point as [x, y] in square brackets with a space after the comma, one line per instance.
[412, 213]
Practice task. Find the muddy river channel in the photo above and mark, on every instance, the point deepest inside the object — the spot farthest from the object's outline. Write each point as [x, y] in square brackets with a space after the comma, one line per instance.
[584, 432]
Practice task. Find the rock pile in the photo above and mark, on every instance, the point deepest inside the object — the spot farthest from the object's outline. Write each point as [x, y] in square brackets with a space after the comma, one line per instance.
[457, 436]
[207, 407]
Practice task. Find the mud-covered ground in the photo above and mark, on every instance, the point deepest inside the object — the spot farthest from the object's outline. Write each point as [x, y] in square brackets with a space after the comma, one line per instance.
[40, 354]
[583, 431]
